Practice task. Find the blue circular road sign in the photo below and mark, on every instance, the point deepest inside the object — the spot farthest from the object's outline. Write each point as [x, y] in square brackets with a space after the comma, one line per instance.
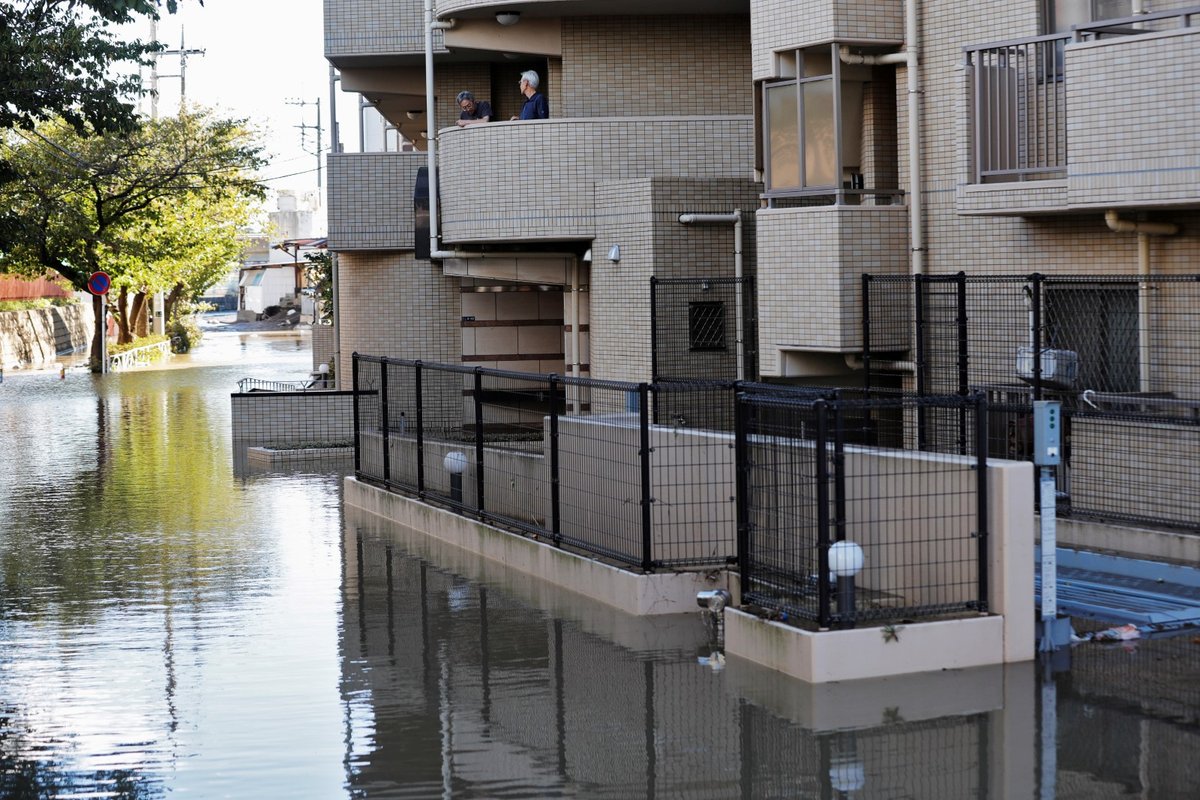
[99, 283]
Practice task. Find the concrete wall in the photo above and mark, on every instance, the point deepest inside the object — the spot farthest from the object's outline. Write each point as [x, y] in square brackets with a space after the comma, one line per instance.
[37, 337]
[371, 200]
[787, 24]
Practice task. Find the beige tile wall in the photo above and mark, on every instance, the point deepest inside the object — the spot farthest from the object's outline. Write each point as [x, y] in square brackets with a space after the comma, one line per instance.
[370, 200]
[369, 27]
[788, 24]
[393, 305]
[541, 174]
[684, 65]
[1133, 119]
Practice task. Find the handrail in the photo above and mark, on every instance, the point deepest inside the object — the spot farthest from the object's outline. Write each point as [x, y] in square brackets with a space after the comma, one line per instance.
[1097, 28]
[139, 356]
[252, 384]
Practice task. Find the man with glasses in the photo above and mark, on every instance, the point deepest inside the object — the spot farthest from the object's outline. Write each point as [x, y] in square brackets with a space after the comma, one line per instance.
[535, 103]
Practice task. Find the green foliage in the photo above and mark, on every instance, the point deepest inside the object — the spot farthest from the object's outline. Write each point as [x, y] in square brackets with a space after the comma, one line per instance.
[62, 58]
[23, 305]
[116, 349]
[319, 274]
[184, 329]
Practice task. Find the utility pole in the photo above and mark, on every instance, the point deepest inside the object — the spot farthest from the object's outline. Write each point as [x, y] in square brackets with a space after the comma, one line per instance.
[183, 52]
[158, 318]
[303, 132]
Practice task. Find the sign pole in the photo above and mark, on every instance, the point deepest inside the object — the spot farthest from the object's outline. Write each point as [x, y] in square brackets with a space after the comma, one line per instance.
[104, 334]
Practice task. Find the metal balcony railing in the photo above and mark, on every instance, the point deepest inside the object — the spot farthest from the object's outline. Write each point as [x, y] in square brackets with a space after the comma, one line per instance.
[1019, 109]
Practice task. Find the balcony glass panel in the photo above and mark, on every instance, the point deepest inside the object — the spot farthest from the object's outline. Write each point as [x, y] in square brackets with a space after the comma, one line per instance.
[783, 125]
[820, 135]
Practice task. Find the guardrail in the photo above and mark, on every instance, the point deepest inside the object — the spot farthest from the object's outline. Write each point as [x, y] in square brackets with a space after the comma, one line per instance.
[259, 385]
[139, 356]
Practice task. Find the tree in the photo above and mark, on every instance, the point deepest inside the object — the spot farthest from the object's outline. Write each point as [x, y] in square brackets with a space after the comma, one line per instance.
[319, 274]
[144, 206]
[60, 58]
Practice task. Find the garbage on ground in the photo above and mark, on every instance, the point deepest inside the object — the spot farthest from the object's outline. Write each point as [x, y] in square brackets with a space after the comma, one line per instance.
[1121, 633]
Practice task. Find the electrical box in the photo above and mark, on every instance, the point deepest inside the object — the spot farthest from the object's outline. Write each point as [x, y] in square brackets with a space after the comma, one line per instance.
[1047, 432]
[1060, 368]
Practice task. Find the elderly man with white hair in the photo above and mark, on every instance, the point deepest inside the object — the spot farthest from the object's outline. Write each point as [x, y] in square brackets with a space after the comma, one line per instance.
[535, 103]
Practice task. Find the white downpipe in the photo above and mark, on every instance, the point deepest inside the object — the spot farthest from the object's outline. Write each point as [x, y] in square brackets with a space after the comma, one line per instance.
[911, 60]
[431, 135]
[1144, 231]
[736, 219]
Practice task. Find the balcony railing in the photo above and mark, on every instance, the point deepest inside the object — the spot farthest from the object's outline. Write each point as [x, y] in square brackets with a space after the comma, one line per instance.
[1019, 120]
[1019, 96]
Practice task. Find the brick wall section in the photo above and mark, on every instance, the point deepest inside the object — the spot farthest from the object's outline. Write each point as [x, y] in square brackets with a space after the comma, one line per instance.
[648, 66]
[292, 418]
[369, 27]
[787, 24]
[393, 305]
[1149, 151]
[370, 199]
[809, 270]
[543, 173]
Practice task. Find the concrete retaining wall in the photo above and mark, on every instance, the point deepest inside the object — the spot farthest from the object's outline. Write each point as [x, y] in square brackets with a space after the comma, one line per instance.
[36, 338]
[292, 418]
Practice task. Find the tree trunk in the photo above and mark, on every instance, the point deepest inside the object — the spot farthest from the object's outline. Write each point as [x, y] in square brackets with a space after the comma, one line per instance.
[140, 326]
[121, 312]
[169, 303]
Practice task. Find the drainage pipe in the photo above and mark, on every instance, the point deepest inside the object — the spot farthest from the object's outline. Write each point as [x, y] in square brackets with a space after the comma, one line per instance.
[911, 59]
[431, 135]
[736, 219]
[575, 335]
[1144, 231]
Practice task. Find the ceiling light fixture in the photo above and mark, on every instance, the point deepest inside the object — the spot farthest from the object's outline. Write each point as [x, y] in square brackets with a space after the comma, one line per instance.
[508, 17]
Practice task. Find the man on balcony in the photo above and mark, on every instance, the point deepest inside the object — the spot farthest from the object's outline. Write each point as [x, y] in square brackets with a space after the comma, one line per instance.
[535, 104]
[473, 111]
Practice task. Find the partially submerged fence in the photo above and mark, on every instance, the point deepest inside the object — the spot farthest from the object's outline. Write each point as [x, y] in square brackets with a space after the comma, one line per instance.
[1121, 353]
[833, 532]
[693, 474]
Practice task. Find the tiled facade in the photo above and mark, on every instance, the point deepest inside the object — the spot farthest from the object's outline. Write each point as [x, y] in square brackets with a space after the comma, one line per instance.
[542, 175]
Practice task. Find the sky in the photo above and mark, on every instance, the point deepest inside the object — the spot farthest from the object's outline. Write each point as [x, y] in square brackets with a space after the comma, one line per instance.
[259, 55]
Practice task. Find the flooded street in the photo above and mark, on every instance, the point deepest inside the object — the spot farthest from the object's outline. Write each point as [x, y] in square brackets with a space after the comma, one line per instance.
[175, 621]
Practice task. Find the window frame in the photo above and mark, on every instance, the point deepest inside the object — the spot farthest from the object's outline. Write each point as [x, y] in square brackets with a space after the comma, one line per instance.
[799, 80]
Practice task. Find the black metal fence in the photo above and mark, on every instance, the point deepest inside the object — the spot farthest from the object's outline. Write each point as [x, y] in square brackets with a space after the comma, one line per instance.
[834, 533]
[684, 474]
[1121, 353]
[626, 471]
[703, 328]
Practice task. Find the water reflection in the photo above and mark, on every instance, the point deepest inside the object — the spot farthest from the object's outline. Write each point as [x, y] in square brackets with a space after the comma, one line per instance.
[468, 679]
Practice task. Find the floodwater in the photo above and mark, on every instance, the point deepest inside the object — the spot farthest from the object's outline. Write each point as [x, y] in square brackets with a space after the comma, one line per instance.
[177, 621]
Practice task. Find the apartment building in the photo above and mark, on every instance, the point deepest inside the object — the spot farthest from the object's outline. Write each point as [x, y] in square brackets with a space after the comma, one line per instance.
[948, 150]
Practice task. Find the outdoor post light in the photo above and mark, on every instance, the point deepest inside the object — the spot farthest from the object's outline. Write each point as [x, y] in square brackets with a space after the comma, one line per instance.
[455, 463]
[845, 561]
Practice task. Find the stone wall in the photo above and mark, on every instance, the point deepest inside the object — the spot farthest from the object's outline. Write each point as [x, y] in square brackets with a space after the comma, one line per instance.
[37, 337]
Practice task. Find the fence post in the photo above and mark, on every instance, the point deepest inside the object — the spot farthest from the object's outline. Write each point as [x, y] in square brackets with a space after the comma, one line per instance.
[919, 308]
[555, 520]
[420, 431]
[981, 496]
[1036, 279]
[741, 469]
[644, 458]
[822, 473]
[387, 422]
[479, 506]
[866, 333]
[354, 402]
[963, 361]
[654, 329]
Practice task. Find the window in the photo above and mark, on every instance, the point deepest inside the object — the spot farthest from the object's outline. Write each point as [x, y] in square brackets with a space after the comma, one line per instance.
[1060, 15]
[1100, 325]
[813, 117]
[706, 325]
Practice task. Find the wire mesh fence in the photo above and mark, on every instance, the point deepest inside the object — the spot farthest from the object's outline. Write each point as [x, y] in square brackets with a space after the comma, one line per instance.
[835, 533]
[1121, 353]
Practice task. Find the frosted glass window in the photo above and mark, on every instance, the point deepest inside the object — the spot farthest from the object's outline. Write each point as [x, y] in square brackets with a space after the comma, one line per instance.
[820, 135]
[783, 132]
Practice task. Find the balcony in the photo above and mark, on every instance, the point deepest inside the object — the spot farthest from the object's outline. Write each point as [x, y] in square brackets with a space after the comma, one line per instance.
[517, 181]
[371, 200]
[361, 33]
[1104, 117]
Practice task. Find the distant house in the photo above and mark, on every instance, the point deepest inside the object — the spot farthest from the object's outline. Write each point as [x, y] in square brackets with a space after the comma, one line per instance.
[277, 281]
[45, 288]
